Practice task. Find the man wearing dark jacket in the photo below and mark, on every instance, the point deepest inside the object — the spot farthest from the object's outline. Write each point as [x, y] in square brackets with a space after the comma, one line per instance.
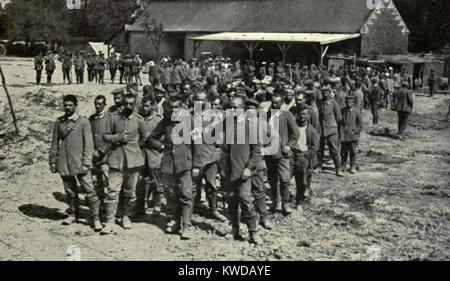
[79, 63]
[304, 155]
[38, 66]
[50, 66]
[350, 129]
[240, 163]
[176, 167]
[278, 163]
[205, 158]
[403, 104]
[329, 118]
[376, 95]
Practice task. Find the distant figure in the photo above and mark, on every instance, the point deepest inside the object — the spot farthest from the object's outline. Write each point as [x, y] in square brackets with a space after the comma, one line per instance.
[49, 66]
[79, 63]
[403, 104]
[431, 80]
[38, 66]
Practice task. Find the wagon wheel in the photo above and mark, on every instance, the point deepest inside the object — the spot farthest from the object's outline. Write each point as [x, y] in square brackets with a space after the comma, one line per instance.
[2, 50]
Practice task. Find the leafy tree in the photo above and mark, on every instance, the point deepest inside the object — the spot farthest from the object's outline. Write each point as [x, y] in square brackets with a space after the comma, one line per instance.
[106, 17]
[428, 21]
[38, 20]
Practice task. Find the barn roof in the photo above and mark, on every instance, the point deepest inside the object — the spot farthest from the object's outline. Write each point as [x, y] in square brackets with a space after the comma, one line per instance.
[295, 16]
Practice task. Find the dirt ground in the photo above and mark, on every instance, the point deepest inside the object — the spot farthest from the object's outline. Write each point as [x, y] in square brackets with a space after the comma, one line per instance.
[397, 207]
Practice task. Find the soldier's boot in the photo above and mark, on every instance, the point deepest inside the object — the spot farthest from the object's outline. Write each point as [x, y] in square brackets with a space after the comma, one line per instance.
[337, 164]
[343, 166]
[255, 238]
[198, 198]
[352, 165]
[213, 207]
[265, 223]
[94, 208]
[128, 213]
[73, 211]
[157, 197]
[141, 194]
[236, 232]
[286, 209]
[110, 209]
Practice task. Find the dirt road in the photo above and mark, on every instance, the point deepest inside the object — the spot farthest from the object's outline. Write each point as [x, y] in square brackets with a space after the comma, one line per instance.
[398, 205]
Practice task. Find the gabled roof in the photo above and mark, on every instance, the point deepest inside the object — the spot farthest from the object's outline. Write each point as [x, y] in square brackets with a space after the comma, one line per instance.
[295, 16]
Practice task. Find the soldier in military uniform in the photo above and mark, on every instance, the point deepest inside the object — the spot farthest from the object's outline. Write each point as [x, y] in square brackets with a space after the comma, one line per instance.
[90, 67]
[79, 63]
[118, 95]
[100, 63]
[38, 66]
[50, 66]
[66, 60]
[112, 66]
[150, 182]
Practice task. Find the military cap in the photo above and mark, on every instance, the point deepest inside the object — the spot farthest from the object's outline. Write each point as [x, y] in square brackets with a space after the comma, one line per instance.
[118, 91]
[256, 81]
[309, 82]
[350, 97]
[252, 102]
[263, 63]
[316, 85]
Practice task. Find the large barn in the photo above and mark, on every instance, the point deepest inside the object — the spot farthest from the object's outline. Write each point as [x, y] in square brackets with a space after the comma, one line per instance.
[291, 30]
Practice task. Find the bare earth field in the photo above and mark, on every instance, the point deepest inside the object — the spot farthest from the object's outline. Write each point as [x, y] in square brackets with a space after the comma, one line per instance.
[398, 203]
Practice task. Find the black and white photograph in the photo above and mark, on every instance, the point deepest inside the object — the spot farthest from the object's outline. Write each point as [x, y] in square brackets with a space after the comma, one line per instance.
[225, 131]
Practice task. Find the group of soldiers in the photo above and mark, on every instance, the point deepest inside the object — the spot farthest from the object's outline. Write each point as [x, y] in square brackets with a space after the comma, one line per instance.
[129, 67]
[124, 155]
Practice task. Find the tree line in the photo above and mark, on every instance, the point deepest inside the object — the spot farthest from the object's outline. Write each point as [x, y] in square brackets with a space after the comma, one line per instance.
[51, 21]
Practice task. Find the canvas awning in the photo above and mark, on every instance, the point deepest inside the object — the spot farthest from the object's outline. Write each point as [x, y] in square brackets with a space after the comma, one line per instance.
[322, 38]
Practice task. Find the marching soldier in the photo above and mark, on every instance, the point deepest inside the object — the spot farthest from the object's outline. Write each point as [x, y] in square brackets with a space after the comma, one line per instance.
[125, 159]
[71, 157]
[240, 162]
[176, 167]
[205, 158]
[150, 182]
[100, 124]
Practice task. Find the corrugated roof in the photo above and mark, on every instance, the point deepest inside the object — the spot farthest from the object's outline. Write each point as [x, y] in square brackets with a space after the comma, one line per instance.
[322, 38]
[298, 16]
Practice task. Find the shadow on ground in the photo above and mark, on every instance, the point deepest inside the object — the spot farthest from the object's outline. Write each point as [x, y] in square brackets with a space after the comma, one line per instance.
[42, 212]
